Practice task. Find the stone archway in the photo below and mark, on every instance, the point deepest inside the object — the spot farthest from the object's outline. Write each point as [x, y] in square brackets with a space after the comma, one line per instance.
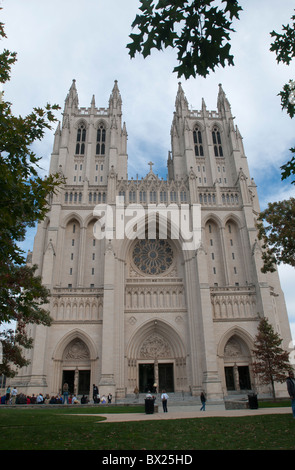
[75, 360]
[236, 364]
[156, 359]
[76, 367]
[156, 362]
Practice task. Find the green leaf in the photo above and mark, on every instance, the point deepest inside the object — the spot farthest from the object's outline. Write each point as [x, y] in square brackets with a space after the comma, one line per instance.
[198, 30]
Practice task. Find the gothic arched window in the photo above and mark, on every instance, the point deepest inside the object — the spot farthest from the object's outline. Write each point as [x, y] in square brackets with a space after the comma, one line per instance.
[199, 152]
[100, 140]
[81, 139]
[217, 142]
[142, 196]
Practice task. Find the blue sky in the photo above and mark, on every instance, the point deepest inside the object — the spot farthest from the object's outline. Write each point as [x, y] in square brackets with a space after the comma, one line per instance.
[62, 40]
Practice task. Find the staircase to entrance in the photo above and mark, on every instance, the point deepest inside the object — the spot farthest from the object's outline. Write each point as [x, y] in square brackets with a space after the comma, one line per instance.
[175, 399]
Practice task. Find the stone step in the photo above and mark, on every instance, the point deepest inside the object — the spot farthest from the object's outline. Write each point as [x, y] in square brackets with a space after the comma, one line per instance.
[175, 398]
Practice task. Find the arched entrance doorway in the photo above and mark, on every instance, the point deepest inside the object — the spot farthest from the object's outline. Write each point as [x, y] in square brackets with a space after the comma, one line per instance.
[155, 365]
[156, 359]
[237, 360]
[76, 369]
[76, 361]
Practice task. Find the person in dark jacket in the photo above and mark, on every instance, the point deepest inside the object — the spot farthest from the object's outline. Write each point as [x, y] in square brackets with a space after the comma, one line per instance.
[203, 401]
[291, 390]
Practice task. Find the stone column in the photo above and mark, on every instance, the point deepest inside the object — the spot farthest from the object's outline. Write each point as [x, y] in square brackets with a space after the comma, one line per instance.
[193, 324]
[206, 338]
[81, 264]
[107, 383]
[38, 380]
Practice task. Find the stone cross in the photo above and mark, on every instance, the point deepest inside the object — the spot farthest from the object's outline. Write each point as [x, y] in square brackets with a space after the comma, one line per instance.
[151, 166]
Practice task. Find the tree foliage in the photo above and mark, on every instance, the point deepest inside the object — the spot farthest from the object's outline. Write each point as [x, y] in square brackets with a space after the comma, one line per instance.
[284, 48]
[23, 202]
[276, 229]
[199, 30]
[271, 361]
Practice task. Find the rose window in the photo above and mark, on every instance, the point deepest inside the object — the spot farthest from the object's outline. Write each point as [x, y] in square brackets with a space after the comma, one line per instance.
[152, 256]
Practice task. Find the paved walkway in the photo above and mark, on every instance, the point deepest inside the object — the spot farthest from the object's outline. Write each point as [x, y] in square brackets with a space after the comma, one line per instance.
[181, 412]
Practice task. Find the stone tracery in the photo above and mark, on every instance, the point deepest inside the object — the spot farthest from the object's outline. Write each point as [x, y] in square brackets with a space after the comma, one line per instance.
[152, 256]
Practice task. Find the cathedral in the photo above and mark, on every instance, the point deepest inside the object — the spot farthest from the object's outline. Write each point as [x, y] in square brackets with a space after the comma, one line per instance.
[155, 283]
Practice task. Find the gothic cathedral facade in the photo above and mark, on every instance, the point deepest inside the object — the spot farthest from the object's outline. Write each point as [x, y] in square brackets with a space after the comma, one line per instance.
[135, 310]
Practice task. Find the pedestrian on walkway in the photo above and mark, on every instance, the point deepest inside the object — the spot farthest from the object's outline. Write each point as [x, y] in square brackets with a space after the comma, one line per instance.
[164, 398]
[203, 401]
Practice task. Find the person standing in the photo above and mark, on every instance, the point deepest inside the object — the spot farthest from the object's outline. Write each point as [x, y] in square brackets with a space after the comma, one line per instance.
[164, 398]
[13, 395]
[95, 393]
[291, 390]
[7, 396]
[65, 390]
[203, 401]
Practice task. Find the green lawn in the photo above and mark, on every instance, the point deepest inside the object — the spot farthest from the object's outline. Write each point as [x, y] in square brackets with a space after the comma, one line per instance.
[61, 429]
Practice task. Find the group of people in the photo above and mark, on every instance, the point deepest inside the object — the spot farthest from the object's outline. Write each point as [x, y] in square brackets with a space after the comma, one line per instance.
[100, 399]
[165, 397]
[12, 397]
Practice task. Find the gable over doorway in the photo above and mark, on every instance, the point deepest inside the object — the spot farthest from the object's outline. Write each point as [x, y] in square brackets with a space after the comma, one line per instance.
[156, 355]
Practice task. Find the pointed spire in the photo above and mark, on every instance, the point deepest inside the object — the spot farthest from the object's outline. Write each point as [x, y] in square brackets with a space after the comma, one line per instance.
[72, 101]
[58, 131]
[181, 102]
[115, 101]
[116, 88]
[221, 93]
[124, 130]
[223, 105]
[92, 105]
[57, 136]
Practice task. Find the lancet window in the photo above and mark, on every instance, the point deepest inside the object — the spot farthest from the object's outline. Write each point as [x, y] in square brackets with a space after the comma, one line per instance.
[199, 151]
[81, 139]
[218, 152]
[101, 140]
[142, 196]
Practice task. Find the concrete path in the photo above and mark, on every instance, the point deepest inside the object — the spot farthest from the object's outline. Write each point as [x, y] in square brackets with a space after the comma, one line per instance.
[181, 412]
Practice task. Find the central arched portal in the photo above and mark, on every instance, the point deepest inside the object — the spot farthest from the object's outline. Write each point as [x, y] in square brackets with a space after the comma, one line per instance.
[156, 359]
[76, 367]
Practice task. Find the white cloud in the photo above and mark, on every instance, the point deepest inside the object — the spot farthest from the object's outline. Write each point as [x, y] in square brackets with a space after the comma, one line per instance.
[60, 40]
